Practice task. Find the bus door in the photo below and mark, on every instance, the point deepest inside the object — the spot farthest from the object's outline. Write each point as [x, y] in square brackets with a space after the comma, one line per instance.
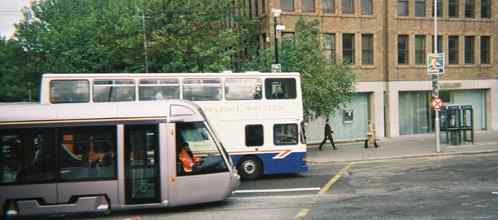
[142, 183]
[202, 173]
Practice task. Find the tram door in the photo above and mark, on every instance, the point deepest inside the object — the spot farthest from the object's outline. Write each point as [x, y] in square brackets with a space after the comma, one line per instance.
[142, 164]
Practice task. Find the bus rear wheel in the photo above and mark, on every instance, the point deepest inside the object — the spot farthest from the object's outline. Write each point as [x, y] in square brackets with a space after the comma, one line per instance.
[250, 168]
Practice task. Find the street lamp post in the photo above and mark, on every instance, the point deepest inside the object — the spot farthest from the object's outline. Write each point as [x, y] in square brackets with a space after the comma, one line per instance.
[435, 80]
[276, 13]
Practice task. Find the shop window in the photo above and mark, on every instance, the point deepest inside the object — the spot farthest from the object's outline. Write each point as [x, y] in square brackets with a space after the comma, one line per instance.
[158, 89]
[280, 88]
[69, 91]
[285, 134]
[197, 152]
[202, 89]
[254, 135]
[87, 153]
[113, 90]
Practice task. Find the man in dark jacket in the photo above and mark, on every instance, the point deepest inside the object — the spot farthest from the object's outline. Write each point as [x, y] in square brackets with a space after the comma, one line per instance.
[328, 134]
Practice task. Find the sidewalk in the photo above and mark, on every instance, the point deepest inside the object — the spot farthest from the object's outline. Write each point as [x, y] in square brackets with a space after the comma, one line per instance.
[422, 145]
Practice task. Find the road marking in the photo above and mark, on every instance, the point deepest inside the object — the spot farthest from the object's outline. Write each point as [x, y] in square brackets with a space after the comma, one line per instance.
[334, 179]
[495, 193]
[277, 190]
[301, 214]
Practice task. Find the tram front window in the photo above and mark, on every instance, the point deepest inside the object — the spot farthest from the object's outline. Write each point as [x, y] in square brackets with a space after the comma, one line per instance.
[197, 152]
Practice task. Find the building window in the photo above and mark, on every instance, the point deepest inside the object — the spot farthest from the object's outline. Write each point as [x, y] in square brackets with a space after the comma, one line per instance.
[439, 8]
[367, 7]
[439, 44]
[308, 5]
[403, 7]
[453, 49]
[420, 8]
[485, 50]
[485, 8]
[256, 7]
[367, 49]
[328, 6]
[287, 5]
[453, 8]
[420, 52]
[285, 134]
[254, 135]
[469, 49]
[263, 6]
[280, 88]
[348, 48]
[348, 6]
[329, 47]
[403, 51]
[469, 8]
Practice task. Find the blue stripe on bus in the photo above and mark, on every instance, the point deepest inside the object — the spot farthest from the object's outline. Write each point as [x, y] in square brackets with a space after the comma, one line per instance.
[292, 163]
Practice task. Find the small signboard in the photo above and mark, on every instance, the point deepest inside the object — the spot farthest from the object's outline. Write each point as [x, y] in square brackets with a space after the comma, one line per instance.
[437, 103]
[276, 68]
[435, 63]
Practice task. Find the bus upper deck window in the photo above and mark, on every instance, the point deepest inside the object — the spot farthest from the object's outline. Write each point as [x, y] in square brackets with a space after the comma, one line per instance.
[202, 89]
[158, 89]
[243, 89]
[113, 90]
[69, 91]
[280, 88]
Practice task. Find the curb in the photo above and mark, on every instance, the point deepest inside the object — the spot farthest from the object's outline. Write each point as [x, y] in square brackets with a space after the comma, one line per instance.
[404, 157]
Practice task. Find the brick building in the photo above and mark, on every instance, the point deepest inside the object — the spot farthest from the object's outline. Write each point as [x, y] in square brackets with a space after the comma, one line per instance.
[387, 41]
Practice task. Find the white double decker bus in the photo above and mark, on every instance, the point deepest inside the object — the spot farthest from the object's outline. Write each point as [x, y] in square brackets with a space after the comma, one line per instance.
[258, 116]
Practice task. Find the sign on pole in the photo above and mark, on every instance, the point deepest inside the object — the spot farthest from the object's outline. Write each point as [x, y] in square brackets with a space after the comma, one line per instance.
[435, 63]
[437, 103]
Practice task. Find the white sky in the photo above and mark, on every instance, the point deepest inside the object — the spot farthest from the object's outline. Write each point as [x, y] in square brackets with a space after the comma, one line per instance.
[10, 13]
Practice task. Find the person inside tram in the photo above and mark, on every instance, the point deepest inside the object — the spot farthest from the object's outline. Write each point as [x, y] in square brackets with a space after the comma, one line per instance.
[194, 164]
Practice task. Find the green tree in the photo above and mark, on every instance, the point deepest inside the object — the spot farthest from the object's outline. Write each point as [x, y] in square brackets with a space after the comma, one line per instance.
[325, 86]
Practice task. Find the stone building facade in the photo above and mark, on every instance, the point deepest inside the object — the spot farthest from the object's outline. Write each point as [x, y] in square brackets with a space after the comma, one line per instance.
[387, 41]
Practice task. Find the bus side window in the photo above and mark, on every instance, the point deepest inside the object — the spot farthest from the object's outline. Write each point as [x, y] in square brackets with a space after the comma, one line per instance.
[285, 134]
[87, 153]
[113, 90]
[26, 156]
[69, 91]
[158, 89]
[279, 88]
[202, 89]
[254, 135]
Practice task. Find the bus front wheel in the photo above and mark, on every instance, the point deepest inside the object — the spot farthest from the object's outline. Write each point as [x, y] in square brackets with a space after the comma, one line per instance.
[250, 168]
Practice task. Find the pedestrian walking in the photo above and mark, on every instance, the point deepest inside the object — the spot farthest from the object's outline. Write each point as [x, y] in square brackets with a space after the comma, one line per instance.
[371, 136]
[327, 135]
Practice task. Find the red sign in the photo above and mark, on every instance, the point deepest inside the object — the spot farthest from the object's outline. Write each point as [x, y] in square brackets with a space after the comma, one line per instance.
[437, 103]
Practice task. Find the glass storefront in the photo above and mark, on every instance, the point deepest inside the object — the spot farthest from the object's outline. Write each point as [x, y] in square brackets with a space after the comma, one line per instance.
[415, 116]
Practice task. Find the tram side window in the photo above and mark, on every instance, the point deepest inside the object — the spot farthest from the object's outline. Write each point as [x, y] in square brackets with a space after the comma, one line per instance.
[254, 135]
[87, 153]
[158, 89]
[278, 88]
[26, 157]
[243, 89]
[285, 134]
[113, 90]
[197, 152]
[69, 91]
[202, 89]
